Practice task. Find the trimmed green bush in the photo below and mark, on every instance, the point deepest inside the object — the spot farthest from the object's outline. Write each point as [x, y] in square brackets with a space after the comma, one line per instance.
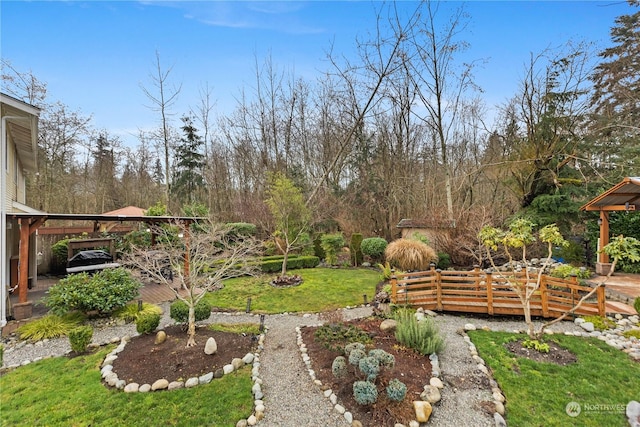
[444, 261]
[103, 292]
[50, 326]
[242, 229]
[636, 305]
[147, 323]
[422, 336]
[356, 250]
[339, 367]
[179, 311]
[396, 390]
[365, 393]
[293, 263]
[331, 245]
[1, 353]
[374, 248]
[80, 337]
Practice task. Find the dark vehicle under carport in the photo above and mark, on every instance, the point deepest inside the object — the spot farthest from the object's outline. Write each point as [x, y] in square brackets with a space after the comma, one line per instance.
[89, 261]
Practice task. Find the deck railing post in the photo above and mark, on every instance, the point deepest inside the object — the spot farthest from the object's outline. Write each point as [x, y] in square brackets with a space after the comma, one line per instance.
[476, 271]
[394, 289]
[544, 296]
[488, 285]
[438, 290]
[602, 301]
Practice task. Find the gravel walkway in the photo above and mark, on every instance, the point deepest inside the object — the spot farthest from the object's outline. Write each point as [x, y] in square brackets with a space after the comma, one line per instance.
[292, 400]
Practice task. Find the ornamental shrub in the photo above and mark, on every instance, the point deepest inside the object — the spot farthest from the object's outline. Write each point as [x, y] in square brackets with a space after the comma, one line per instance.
[147, 323]
[353, 346]
[564, 271]
[356, 355]
[385, 359]
[1, 353]
[356, 249]
[636, 305]
[294, 262]
[103, 292]
[374, 248]
[370, 367]
[331, 245]
[179, 311]
[444, 261]
[396, 390]
[80, 337]
[339, 367]
[364, 392]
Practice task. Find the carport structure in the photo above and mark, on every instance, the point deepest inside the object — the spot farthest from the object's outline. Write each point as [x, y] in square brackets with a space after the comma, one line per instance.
[30, 222]
[624, 196]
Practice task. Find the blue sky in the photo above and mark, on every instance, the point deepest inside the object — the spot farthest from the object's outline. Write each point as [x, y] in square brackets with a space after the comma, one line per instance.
[94, 55]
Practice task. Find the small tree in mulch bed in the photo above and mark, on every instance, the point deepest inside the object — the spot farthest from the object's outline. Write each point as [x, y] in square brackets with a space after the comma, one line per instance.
[205, 255]
[520, 236]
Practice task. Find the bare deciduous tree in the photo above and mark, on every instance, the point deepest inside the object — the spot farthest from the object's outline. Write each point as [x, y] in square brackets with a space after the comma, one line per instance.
[163, 97]
[195, 264]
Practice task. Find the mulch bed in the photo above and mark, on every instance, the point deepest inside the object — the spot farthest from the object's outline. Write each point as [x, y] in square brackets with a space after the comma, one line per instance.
[413, 369]
[144, 362]
[558, 355]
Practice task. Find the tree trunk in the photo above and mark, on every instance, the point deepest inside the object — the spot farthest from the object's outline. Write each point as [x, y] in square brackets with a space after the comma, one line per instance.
[191, 332]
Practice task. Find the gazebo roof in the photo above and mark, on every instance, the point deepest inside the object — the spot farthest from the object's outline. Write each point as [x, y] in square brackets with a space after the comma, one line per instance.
[624, 196]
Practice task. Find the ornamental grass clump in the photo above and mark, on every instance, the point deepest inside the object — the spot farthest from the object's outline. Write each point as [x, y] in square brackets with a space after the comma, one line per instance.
[131, 312]
[410, 255]
[422, 336]
[50, 326]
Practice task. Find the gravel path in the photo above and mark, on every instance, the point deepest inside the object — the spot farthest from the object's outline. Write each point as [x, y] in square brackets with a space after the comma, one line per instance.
[291, 399]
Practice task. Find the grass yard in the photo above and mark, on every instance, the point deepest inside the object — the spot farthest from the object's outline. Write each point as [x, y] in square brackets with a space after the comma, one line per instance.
[68, 392]
[602, 381]
[323, 289]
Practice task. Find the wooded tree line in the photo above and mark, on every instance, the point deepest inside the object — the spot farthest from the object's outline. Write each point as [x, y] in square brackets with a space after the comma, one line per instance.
[398, 131]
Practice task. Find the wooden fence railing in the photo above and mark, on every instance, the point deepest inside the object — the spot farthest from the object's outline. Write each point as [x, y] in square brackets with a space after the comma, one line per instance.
[469, 292]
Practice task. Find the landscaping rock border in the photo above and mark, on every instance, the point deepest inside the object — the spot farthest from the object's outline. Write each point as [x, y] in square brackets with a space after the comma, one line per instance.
[434, 382]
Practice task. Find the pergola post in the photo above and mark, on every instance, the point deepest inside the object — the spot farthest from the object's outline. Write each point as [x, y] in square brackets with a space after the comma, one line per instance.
[603, 265]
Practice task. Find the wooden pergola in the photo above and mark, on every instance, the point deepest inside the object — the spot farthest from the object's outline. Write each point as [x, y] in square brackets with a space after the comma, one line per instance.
[625, 197]
[30, 222]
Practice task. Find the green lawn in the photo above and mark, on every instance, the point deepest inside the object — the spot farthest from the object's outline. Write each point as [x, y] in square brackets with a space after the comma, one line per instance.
[602, 381]
[323, 289]
[68, 392]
